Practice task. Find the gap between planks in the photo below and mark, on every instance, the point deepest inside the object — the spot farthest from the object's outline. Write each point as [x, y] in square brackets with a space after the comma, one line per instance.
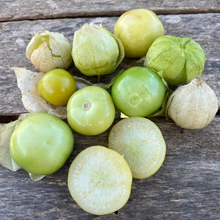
[9, 118]
[84, 14]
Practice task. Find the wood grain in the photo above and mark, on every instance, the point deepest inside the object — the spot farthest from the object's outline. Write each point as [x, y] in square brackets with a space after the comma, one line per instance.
[14, 37]
[28, 9]
[185, 187]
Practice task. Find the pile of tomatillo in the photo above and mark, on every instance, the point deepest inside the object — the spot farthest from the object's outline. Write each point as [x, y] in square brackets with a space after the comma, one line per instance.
[100, 178]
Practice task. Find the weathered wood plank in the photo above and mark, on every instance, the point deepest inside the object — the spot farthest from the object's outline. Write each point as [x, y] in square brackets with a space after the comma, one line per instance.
[14, 37]
[27, 9]
[185, 187]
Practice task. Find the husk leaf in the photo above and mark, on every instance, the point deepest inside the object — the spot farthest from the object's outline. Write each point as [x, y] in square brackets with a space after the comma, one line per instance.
[32, 101]
[6, 160]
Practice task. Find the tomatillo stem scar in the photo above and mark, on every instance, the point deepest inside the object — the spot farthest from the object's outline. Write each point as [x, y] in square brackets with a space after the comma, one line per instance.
[86, 106]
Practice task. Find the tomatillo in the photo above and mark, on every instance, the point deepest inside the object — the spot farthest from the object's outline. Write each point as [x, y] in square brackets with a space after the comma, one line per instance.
[138, 91]
[57, 86]
[99, 180]
[90, 111]
[41, 144]
[138, 29]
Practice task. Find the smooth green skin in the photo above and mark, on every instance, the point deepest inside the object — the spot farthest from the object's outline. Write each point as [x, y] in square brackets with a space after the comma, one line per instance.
[179, 60]
[40, 41]
[95, 120]
[137, 29]
[138, 91]
[41, 144]
[57, 86]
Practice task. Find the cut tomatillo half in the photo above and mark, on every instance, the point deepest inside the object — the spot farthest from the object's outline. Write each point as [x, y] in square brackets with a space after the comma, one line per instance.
[141, 143]
[99, 180]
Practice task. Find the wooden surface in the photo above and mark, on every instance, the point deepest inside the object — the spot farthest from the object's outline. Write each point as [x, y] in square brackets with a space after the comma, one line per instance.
[185, 187]
[37, 9]
[187, 184]
[15, 36]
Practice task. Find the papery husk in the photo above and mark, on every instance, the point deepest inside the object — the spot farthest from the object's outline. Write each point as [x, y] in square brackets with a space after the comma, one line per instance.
[30, 46]
[6, 131]
[96, 51]
[56, 56]
[179, 60]
[32, 101]
[6, 160]
[192, 106]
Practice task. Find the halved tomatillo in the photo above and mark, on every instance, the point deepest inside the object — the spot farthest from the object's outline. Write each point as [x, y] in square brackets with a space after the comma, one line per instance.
[99, 180]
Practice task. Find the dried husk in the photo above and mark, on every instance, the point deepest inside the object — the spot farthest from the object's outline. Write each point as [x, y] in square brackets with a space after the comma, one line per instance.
[192, 106]
[55, 56]
[32, 101]
[96, 51]
[6, 160]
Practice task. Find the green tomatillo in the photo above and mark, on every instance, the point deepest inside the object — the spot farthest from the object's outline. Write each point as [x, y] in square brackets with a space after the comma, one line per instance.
[41, 144]
[140, 91]
[90, 111]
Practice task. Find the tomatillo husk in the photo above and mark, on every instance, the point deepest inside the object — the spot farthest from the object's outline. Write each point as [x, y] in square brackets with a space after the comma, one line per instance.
[192, 106]
[96, 51]
[178, 60]
[49, 51]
